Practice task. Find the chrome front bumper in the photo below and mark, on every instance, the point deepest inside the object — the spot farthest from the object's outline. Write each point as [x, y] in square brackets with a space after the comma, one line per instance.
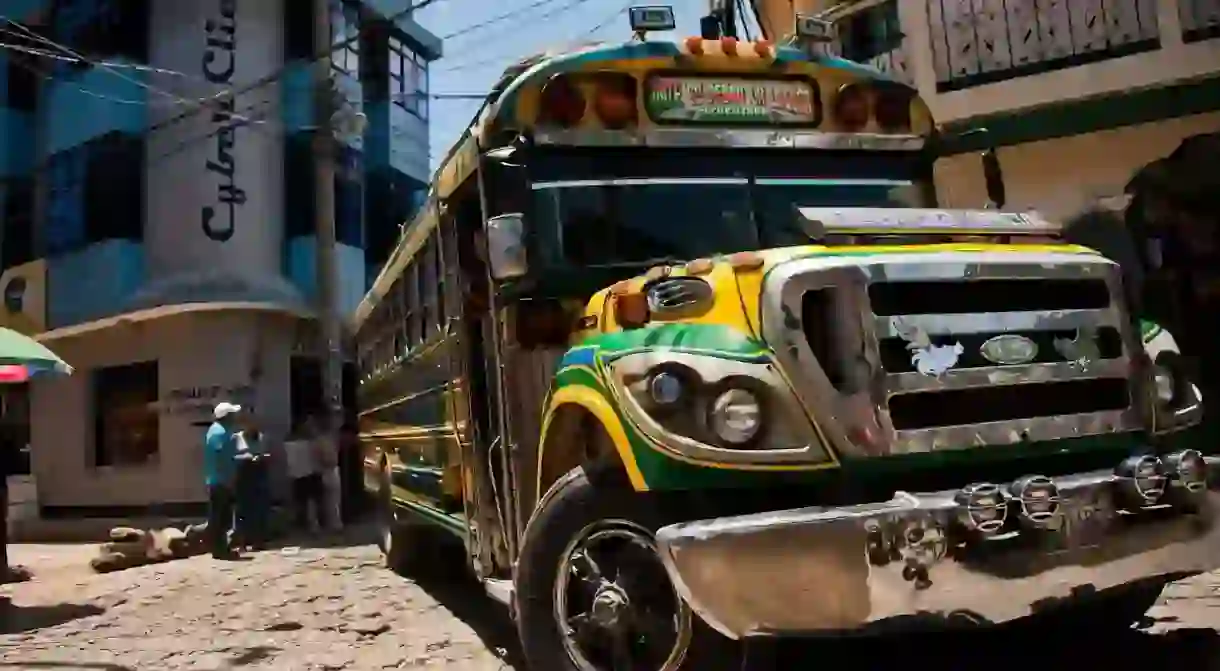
[818, 569]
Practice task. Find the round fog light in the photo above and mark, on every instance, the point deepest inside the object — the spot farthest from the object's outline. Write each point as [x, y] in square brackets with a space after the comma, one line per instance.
[982, 508]
[736, 416]
[665, 388]
[1038, 497]
[1143, 479]
[1187, 470]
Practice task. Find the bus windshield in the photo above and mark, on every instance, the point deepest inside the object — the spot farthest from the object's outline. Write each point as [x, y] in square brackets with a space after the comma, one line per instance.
[603, 219]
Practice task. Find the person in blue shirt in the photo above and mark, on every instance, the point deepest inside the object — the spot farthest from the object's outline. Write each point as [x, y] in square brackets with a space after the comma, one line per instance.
[220, 474]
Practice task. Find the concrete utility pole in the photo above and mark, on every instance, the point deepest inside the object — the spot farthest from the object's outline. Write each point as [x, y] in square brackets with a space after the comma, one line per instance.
[325, 149]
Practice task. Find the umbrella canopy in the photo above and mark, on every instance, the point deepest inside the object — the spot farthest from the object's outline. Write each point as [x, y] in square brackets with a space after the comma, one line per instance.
[22, 357]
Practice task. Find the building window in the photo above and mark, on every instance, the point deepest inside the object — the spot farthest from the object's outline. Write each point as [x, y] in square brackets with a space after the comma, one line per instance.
[22, 80]
[871, 32]
[126, 425]
[106, 28]
[345, 27]
[17, 239]
[349, 198]
[65, 218]
[298, 179]
[408, 79]
[114, 188]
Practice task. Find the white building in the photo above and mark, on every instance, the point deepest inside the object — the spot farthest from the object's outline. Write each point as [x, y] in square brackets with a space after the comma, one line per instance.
[1078, 95]
[169, 254]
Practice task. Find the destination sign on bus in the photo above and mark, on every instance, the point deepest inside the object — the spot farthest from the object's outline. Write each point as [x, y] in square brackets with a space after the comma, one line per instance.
[731, 100]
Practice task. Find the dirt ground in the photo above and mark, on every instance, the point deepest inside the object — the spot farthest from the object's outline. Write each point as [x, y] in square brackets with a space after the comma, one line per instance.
[337, 608]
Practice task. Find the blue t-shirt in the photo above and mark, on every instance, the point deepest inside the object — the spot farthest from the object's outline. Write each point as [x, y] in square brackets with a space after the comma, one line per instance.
[219, 450]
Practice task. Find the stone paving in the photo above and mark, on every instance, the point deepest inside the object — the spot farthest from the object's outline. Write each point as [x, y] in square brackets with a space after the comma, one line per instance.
[338, 609]
[304, 610]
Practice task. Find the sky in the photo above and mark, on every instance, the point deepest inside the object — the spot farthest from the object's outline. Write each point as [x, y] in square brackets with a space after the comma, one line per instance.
[475, 58]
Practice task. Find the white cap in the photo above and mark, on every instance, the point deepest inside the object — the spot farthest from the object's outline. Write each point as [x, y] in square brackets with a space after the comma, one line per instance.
[225, 409]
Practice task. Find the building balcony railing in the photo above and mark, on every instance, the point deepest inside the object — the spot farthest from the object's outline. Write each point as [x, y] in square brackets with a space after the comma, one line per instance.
[1200, 19]
[975, 43]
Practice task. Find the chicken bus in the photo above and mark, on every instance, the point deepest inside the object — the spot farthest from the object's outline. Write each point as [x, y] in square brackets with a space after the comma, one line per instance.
[683, 351]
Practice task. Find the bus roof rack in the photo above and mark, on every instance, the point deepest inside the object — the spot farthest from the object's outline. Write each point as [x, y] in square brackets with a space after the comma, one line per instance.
[822, 221]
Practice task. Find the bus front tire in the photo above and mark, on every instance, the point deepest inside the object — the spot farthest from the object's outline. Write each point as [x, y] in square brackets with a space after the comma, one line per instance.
[589, 560]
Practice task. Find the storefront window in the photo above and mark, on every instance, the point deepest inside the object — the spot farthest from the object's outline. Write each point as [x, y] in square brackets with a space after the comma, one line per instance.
[126, 424]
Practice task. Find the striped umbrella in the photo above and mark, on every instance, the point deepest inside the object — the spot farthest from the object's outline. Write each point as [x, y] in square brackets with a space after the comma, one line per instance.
[22, 358]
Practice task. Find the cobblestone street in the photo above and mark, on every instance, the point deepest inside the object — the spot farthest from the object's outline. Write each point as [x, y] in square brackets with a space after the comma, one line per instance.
[337, 608]
[330, 608]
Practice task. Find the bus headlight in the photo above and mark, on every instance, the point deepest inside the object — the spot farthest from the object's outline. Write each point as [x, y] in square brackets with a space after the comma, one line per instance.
[735, 416]
[708, 407]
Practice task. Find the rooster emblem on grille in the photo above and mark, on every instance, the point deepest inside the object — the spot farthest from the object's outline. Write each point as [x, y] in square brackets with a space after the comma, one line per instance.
[1082, 350]
[927, 358]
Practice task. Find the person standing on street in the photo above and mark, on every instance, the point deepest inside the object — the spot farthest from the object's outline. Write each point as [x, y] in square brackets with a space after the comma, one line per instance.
[253, 495]
[220, 473]
[8, 458]
[302, 466]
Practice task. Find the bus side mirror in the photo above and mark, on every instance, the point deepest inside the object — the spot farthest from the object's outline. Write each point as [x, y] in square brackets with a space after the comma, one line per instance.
[993, 177]
[505, 240]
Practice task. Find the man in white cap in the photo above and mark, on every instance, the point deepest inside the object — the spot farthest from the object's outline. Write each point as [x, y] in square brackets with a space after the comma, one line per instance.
[220, 472]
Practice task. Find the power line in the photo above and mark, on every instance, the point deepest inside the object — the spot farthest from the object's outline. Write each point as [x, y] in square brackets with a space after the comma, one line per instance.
[277, 74]
[118, 73]
[496, 19]
[42, 53]
[584, 36]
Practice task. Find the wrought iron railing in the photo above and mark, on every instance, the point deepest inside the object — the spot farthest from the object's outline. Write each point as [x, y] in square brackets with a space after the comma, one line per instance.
[1200, 19]
[976, 43]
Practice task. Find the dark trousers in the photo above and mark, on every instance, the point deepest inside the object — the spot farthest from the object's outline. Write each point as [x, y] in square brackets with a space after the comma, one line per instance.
[220, 519]
[3, 528]
[253, 502]
[309, 492]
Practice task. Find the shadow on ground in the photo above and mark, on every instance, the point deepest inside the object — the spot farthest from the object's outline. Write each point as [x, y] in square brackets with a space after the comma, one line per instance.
[443, 577]
[16, 619]
[1022, 648]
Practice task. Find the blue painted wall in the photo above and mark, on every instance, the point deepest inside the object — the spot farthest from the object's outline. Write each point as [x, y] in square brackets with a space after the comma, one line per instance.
[94, 282]
[85, 105]
[303, 271]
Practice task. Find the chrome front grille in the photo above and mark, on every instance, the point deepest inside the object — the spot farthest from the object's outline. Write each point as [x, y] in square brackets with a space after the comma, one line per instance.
[885, 331]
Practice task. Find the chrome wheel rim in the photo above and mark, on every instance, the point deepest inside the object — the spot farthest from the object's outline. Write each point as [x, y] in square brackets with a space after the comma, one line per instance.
[615, 606]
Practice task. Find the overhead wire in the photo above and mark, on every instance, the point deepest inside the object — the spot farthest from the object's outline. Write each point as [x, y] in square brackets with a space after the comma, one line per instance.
[496, 19]
[70, 59]
[277, 74]
[115, 71]
[510, 59]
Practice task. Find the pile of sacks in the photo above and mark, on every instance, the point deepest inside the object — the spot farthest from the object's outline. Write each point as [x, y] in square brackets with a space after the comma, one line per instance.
[135, 547]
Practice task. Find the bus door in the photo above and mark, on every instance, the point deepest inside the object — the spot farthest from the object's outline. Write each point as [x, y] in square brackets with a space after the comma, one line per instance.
[476, 401]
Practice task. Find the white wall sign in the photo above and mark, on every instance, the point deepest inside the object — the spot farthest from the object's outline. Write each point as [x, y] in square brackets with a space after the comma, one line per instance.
[194, 401]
